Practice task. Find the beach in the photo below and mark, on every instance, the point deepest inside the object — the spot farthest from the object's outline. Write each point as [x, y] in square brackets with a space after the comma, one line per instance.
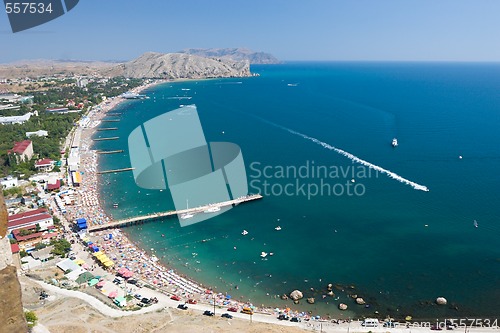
[125, 254]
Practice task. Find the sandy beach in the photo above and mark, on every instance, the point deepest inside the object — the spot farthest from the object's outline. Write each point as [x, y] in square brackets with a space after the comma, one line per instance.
[119, 248]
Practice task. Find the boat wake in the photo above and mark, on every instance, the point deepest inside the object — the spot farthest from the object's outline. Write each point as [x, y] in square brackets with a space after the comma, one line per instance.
[352, 157]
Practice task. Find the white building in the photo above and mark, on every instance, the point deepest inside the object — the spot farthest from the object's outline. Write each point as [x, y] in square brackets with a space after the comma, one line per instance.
[37, 133]
[9, 182]
[15, 119]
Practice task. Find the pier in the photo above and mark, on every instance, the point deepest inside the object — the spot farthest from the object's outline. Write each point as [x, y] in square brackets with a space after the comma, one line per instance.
[107, 129]
[103, 139]
[156, 216]
[114, 170]
[110, 151]
[110, 120]
[113, 114]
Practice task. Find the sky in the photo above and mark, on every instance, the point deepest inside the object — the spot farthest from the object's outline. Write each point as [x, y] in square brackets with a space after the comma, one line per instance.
[291, 30]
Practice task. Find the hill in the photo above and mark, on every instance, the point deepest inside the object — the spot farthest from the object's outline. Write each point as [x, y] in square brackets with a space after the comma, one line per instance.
[235, 54]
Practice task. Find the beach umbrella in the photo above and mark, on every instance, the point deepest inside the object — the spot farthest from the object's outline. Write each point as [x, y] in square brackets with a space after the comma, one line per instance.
[93, 282]
[228, 296]
[101, 283]
[113, 294]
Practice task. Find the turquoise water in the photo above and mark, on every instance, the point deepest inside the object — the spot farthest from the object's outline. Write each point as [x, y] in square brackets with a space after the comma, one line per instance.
[400, 248]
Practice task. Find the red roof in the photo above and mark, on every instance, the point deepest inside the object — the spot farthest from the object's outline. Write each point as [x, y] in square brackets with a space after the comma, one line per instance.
[55, 186]
[20, 147]
[44, 162]
[21, 238]
[14, 248]
[28, 217]
[50, 235]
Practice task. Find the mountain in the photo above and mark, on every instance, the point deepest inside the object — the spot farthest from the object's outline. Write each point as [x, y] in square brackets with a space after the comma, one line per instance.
[236, 54]
[179, 65]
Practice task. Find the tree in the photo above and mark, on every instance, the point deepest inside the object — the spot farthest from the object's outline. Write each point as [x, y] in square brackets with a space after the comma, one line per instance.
[31, 318]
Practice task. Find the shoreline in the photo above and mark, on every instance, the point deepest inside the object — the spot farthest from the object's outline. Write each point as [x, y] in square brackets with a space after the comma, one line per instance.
[164, 279]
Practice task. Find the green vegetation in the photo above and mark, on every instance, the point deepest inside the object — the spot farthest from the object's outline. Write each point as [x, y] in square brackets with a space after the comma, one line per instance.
[61, 247]
[31, 318]
[61, 93]
[13, 192]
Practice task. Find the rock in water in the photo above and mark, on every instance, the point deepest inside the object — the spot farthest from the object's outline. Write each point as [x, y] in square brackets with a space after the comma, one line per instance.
[360, 300]
[342, 306]
[296, 295]
[330, 287]
[441, 301]
[310, 300]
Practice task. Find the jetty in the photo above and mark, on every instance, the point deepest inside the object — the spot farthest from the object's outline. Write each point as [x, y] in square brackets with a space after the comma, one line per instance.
[113, 114]
[114, 170]
[107, 129]
[110, 120]
[110, 151]
[156, 216]
[103, 139]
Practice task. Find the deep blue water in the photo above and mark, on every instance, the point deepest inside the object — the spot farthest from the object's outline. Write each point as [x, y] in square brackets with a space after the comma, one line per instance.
[399, 247]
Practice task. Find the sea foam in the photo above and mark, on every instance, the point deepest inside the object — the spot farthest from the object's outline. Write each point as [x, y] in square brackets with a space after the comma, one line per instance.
[352, 157]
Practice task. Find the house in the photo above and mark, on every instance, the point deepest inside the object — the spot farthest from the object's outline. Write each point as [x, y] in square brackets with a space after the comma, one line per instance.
[44, 165]
[27, 238]
[42, 254]
[23, 150]
[31, 218]
[54, 186]
[37, 133]
[14, 248]
[9, 182]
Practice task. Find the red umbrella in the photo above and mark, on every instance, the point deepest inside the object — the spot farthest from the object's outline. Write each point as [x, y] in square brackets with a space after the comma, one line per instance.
[113, 294]
[101, 283]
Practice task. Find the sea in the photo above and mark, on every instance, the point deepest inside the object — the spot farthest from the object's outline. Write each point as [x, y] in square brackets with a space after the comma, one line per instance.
[397, 226]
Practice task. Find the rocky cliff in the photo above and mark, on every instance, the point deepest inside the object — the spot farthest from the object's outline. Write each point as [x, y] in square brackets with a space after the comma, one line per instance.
[179, 65]
[235, 54]
[11, 308]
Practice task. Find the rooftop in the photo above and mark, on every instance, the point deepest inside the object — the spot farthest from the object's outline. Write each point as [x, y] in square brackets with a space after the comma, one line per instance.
[20, 147]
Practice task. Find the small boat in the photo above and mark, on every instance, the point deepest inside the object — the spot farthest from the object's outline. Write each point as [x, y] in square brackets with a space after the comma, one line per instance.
[278, 228]
[263, 254]
[476, 224]
[212, 209]
[186, 216]
[394, 142]
[244, 233]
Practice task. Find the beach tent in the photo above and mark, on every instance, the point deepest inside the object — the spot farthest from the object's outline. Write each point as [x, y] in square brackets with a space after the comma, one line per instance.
[93, 282]
[84, 277]
[120, 301]
[108, 263]
[82, 223]
[80, 262]
[127, 274]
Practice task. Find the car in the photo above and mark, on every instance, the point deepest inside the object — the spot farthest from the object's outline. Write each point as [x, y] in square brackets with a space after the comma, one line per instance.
[389, 324]
[283, 317]
[132, 281]
[232, 309]
[192, 301]
[226, 315]
[175, 298]
[138, 296]
[208, 313]
[146, 300]
[295, 320]
[117, 281]
[182, 306]
[248, 311]
[72, 257]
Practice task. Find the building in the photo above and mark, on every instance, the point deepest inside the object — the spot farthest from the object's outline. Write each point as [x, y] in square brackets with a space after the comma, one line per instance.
[54, 186]
[29, 240]
[31, 218]
[9, 120]
[23, 150]
[60, 110]
[44, 165]
[37, 133]
[9, 182]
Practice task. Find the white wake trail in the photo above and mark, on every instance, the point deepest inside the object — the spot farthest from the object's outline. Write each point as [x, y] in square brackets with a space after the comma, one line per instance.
[356, 159]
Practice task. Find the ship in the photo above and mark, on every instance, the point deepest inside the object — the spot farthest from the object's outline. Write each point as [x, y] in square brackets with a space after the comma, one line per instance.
[212, 209]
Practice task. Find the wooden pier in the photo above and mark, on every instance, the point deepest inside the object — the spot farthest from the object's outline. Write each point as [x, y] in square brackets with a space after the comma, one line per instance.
[107, 129]
[114, 170]
[103, 139]
[110, 151]
[156, 216]
[110, 120]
